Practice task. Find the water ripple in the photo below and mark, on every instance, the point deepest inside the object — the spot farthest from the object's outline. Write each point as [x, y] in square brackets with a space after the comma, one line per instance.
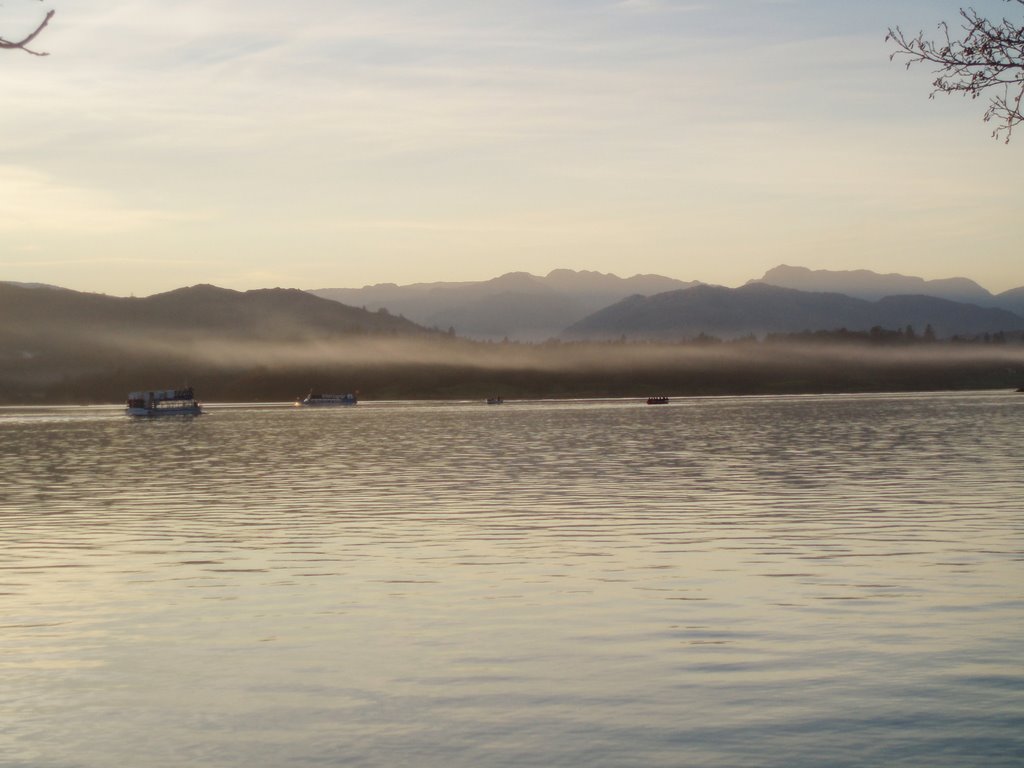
[722, 582]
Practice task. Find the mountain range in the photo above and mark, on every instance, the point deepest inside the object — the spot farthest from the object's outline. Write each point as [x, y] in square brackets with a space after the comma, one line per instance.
[759, 308]
[59, 345]
[864, 284]
[516, 305]
[578, 305]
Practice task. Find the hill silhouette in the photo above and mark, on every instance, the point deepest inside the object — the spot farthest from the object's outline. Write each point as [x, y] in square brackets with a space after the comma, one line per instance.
[273, 313]
[758, 308]
[49, 334]
[865, 284]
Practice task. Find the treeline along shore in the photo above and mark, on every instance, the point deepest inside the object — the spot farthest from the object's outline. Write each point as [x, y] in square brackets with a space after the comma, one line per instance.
[441, 367]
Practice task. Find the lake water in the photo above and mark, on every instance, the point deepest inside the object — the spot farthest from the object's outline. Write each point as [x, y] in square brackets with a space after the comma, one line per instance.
[788, 581]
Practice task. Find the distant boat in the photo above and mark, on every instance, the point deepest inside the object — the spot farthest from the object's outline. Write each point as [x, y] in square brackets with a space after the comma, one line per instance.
[163, 402]
[659, 400]
[318, 400]
[495, 401]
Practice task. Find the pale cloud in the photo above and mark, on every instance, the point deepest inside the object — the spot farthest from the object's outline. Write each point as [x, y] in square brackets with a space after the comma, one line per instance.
[401, 139]
[661, 6]
[119, 261]
[32, 202]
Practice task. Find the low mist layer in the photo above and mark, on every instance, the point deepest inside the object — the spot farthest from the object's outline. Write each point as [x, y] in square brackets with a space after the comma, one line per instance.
[89, 369]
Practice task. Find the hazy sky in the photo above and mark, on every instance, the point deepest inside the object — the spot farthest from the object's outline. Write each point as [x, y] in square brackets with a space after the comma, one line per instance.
[316, 143]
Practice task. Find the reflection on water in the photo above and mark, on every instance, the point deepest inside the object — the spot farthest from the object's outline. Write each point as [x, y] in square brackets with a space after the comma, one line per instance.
[723, 582]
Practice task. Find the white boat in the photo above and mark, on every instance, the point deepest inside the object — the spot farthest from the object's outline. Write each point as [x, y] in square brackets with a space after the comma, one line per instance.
[316, 400]
[163, 402]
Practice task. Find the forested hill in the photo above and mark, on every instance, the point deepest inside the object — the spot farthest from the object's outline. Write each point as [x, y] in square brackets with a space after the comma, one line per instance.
[65, 346]
[758, 308]
[262, 315]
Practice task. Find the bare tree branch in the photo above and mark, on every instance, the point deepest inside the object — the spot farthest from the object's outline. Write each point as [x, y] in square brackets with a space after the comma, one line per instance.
[23, 44]
[989, 56]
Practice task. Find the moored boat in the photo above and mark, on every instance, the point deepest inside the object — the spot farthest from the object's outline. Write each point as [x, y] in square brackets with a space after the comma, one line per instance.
[163, 402]
[319, 399]
[659, 400]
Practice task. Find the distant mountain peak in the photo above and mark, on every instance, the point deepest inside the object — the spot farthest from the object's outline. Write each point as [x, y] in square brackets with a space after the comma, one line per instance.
[200, 289]
[515, 279]
[865, 284]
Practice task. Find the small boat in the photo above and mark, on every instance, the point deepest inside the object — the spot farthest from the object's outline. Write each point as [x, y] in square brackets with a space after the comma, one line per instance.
[659, 400]
[495, 401]
[318, 399]
[163, 402]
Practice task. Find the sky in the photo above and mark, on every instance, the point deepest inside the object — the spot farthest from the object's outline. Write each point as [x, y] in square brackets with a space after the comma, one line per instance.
[316, 144]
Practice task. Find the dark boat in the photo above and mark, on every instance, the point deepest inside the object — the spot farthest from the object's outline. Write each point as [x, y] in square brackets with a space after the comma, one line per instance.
[660, 400]
[326, 400]
[163, 402]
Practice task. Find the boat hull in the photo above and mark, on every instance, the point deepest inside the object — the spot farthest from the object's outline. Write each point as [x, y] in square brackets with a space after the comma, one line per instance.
[326, 401]
[188, 410]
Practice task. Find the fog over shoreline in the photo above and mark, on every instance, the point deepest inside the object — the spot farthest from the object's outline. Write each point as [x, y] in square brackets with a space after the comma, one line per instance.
[439, 367]
[568, 356]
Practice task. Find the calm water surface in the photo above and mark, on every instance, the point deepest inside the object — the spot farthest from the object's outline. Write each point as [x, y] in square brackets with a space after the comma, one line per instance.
[801, 581]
